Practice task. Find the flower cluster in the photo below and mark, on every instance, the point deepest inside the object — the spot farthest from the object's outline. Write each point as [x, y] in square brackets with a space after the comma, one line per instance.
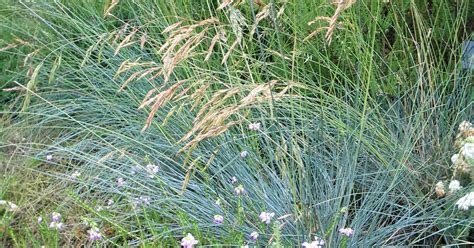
[218, 219]
[152, 170]
[55, 221]
[255, 126]
[239, 190]
[454, 186]
[463, 161]
[466, 201]
[94, 234]
[440, 188]
[189, 241]
[120, 182]
[266, 217]
[253, 236]
[346, 231]
[142, 200]
[317, 243]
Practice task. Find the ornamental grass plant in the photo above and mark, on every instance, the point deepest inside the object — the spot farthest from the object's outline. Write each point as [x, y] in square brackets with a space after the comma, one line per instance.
[232, 123]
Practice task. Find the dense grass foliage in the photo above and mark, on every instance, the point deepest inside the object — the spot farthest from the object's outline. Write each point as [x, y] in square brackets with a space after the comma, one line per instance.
[354, 132]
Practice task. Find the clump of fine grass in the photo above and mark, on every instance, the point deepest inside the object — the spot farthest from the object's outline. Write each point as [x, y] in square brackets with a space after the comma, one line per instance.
[346, 130]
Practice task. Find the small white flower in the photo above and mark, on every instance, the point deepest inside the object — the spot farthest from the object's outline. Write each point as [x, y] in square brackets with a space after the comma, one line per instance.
[12, 206]
[56, 225]
[233, 180]
[99, 208]
[466, 201]
[244, 154]
[468, 150]
[464, 126]
[76, 174]
[120, 182]
[152, 170]
[239, 190]
[49, 157]
[255, 126]
[145, 200]
[134, 170]
[40, 219]
[110, 202]
[454, 158]
[454, 186]
[317, 243]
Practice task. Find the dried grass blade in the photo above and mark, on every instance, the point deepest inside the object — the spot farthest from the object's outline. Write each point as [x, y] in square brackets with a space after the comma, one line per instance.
[111, 6]
[226, 56]
[224, 4]
[211, 47]
[171, 27]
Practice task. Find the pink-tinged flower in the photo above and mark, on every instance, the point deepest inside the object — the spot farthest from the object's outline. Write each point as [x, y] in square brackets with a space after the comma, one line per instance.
[253, 236]
[56, 225]
[152, 170]
[120, 182]
[346, 231]
[233, 180]
[55, 216]
[94, 234]
[317, 243]
[49, 157]
[266, 217]
[188, 241]
[239, 190]
[218, 219]
[40, 219]
[244, 154]
[254, 126]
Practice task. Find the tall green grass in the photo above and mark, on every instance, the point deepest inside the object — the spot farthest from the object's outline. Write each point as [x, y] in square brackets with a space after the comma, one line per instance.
[361, 145]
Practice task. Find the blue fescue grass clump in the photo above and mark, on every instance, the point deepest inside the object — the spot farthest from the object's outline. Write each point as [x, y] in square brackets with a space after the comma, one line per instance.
[359, 142]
